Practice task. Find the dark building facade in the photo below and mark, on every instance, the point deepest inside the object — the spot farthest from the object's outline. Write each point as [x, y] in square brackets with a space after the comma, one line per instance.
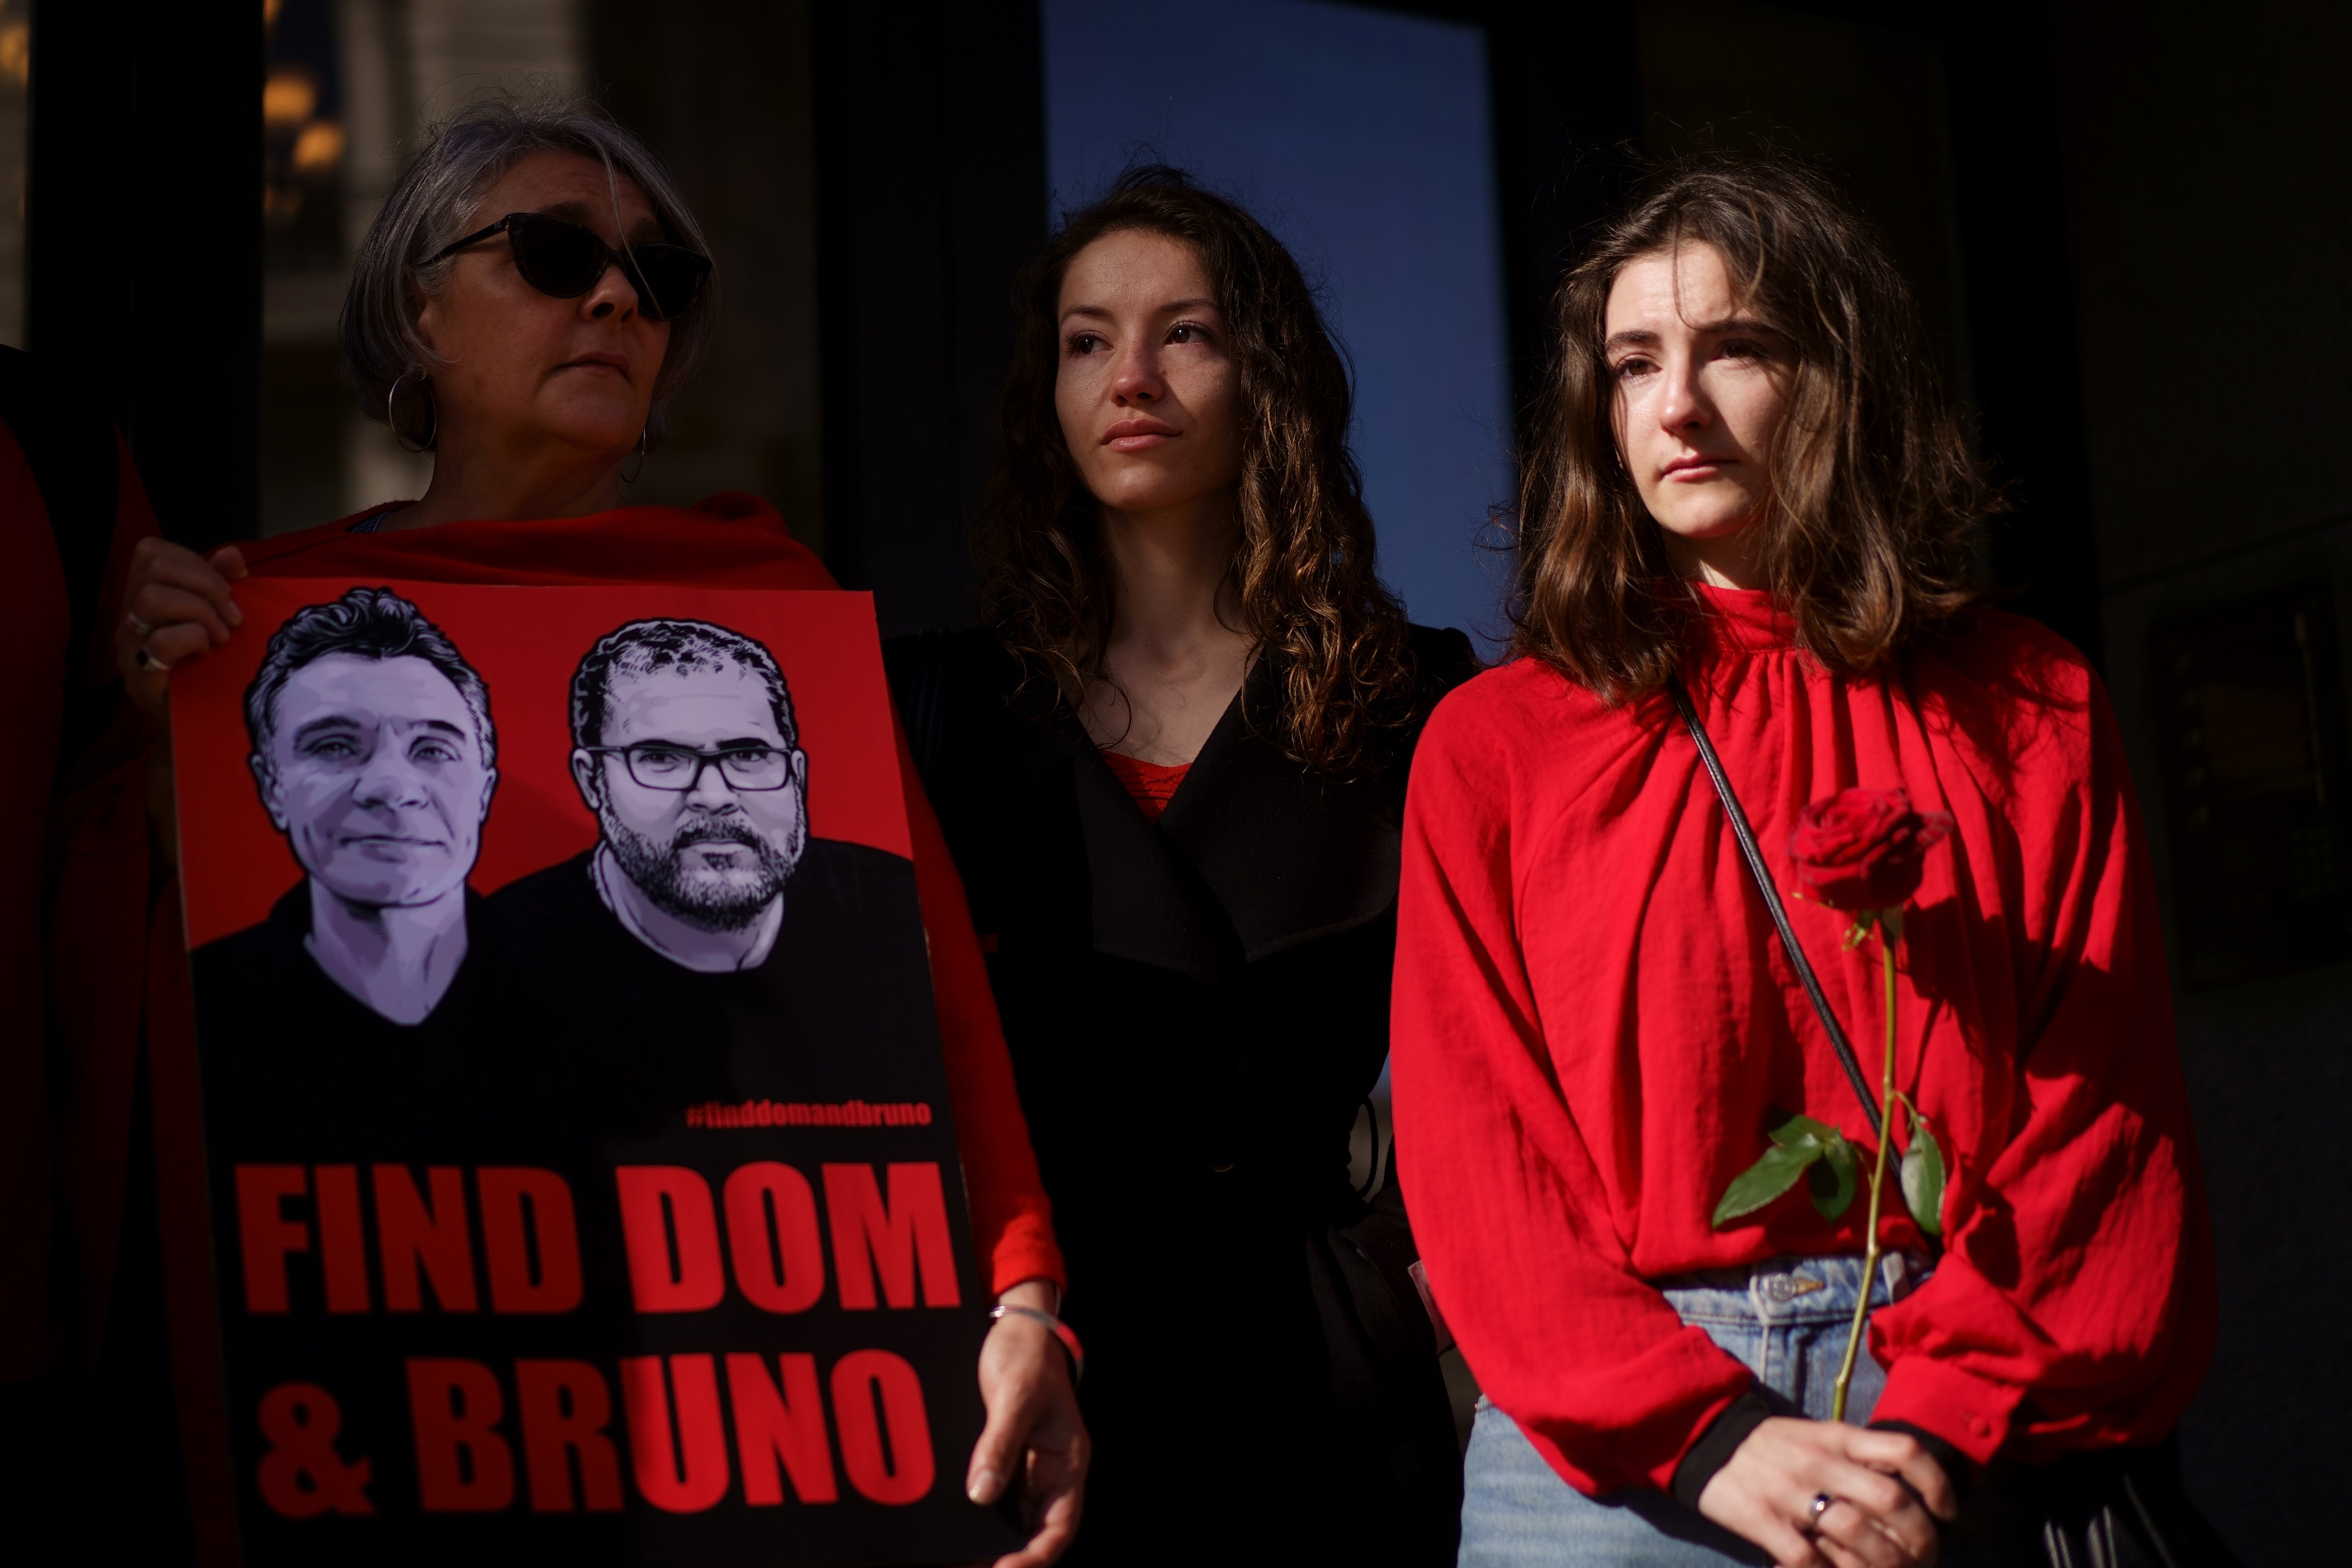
[2124, 222]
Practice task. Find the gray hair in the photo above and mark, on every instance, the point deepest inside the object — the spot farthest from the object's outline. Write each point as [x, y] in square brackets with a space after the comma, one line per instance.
[434, 205]
[365, 623]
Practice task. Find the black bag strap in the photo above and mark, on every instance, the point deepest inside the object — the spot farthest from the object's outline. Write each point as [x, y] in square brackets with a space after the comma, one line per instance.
[1763, 879]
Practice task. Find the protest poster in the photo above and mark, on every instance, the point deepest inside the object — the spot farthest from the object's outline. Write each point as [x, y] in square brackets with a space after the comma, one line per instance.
[577, 1139]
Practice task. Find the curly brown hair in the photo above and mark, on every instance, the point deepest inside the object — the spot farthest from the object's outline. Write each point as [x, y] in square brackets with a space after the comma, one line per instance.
[1871, 524]
[1302, 570]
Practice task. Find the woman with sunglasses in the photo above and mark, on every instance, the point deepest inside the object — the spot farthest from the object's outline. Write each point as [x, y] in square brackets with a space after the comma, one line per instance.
[1172, 767]
[529, 297]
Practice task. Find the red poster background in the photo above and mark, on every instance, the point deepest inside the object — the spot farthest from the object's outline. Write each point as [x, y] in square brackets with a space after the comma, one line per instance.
[525, 642]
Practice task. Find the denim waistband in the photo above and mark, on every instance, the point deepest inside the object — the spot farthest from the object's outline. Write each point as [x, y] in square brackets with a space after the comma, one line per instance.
[1792, 1289]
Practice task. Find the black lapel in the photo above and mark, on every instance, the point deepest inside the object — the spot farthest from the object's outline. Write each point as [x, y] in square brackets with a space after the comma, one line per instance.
[1290, 855]
[1253, 856]
[1150, 904]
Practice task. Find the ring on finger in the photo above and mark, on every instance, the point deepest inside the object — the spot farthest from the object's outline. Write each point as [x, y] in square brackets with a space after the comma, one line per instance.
[139, 629]
[149, 661]
[1820, 1506]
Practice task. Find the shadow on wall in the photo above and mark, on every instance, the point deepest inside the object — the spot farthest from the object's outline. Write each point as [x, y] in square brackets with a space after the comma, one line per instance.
[1866, 103]
[2270, 1076]
[2193, 139]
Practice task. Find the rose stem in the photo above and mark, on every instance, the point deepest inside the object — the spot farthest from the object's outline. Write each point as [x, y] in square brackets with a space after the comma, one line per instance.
[1877, 1183]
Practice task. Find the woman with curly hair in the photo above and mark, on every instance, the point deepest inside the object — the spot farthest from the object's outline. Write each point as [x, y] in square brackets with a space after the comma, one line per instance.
[1171, 768]
[1749, 517]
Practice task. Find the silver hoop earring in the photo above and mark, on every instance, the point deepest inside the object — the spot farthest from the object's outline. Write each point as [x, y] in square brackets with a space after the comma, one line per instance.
[390, 415]
[642, 434]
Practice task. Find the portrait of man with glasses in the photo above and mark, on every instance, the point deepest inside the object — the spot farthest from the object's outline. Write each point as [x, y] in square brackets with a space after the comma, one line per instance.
[708, 927]
[683, 747]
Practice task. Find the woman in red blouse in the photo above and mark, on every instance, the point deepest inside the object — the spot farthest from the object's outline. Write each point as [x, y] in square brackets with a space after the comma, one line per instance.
[1748, 480]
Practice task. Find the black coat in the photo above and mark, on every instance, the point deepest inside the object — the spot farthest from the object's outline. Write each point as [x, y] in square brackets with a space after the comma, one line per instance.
[1197, 1011]
[847, 966]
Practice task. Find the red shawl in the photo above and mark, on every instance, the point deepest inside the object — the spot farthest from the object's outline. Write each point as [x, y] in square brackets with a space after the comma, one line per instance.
[53, 682]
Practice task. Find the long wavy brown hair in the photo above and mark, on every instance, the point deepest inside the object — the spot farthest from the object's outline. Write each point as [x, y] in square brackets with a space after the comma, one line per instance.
[1302, 571]
[1875, 501]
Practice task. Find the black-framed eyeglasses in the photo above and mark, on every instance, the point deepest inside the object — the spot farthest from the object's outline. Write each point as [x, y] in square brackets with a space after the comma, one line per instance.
[679, 768]
[562, 260]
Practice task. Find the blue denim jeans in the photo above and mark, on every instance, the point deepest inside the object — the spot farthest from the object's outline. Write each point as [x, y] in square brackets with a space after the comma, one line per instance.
[1787, 1319]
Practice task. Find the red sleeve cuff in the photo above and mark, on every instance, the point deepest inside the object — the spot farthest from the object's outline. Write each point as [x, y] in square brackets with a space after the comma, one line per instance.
[1971, 1413]
[1024, 1249]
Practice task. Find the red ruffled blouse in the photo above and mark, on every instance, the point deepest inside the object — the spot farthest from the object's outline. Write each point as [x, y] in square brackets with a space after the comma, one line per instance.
[1593, 1017]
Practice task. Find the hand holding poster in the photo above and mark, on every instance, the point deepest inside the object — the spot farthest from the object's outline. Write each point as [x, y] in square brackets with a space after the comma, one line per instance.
[582, 1173]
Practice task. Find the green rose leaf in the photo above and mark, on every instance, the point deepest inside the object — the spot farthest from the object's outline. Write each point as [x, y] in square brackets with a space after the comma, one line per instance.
[1767, 1179]
[1794, 1130]
[1833, 1181]
[1923, 1177]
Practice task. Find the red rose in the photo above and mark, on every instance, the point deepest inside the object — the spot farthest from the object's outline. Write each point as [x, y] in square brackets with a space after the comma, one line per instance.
[1863, 848]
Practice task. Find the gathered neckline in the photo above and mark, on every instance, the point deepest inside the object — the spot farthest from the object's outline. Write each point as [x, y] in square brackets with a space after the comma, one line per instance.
[1731, 620]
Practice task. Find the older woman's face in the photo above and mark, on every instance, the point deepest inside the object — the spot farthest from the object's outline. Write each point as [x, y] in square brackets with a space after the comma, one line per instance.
[1148, 388]
[1701, 385]
[522, 369]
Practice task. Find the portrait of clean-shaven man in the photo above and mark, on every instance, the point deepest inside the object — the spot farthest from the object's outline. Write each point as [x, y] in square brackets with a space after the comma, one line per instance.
[376, 985]
[374, 755]
[706, 917]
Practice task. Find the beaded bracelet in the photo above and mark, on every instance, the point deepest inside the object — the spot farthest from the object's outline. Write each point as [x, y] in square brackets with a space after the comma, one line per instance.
[1061, 1330]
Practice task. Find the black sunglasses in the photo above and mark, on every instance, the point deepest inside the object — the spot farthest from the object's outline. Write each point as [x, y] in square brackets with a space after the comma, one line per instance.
[565, 260]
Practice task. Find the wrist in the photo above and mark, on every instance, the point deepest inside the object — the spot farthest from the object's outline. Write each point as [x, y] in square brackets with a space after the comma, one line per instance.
[1956, 1465]
[1041, 1293]
[1718, 1440]
[1053, 1325]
